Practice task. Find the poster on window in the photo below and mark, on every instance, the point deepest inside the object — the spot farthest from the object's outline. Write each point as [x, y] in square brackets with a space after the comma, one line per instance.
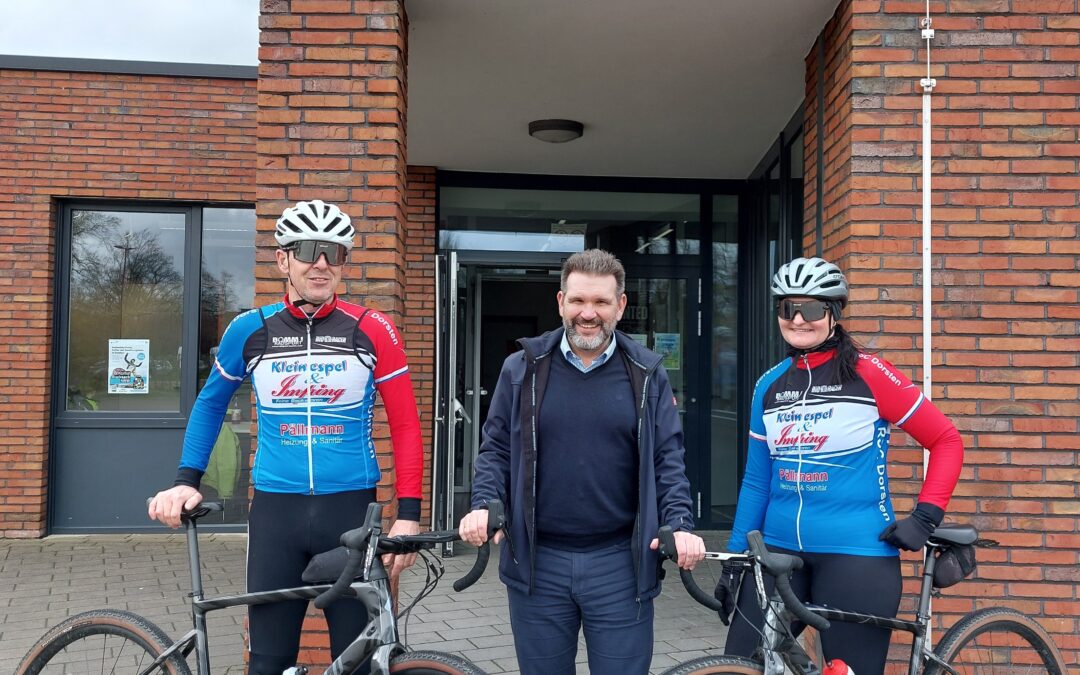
[129, 366]
[669, 345]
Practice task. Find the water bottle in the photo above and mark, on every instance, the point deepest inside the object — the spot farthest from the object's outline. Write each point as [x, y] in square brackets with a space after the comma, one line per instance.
[837, 667]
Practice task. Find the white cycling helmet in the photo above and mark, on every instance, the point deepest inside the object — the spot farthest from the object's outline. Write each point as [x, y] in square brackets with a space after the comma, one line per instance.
[810, 277]
[314, 220]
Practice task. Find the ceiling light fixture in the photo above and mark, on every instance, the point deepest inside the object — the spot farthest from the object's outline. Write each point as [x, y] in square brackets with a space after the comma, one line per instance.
[556, 131]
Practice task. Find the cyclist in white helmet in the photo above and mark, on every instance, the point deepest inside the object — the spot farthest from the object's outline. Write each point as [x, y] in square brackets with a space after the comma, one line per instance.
[817, 481]
[316, 363]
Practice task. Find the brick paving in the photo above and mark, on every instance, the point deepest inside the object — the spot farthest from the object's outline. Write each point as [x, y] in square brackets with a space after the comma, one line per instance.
[43, 581]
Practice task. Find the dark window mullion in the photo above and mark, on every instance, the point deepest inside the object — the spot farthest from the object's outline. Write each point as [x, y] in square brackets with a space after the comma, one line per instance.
[189, 362]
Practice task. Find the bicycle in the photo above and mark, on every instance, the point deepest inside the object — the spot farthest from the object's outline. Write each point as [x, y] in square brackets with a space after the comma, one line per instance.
[116, 641]
[991, 640]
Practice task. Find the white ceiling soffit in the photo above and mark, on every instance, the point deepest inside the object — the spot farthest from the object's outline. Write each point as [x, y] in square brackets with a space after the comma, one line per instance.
[665, 88]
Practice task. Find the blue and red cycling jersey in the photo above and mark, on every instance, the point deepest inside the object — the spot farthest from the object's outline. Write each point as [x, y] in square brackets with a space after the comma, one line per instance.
[315, 381]
[816, 471]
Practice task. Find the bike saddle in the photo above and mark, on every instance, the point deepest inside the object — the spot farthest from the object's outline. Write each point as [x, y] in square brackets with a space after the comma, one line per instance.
[954, 533]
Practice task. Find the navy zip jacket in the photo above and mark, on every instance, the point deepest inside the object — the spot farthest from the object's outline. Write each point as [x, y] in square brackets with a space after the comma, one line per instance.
[506, 465]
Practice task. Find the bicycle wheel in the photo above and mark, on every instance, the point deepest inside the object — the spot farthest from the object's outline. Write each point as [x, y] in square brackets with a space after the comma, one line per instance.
[101, 641]
[717, 665]
[432, 663]
[998, 641]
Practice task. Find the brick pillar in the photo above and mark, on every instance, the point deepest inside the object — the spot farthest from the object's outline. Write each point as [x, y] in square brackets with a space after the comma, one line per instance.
[419, 322]
[1005, 200]
[28, 259]
[331, 126]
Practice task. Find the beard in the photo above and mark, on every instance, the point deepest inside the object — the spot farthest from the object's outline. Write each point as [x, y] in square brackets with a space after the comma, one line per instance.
[588, 343]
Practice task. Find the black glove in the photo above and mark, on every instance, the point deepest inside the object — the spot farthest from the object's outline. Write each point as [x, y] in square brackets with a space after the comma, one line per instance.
[912, 532]
[727, 587]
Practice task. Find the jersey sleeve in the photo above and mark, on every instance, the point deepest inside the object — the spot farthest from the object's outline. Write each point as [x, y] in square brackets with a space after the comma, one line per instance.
[395, 387]
[226, 375]
[754, 494]
[900, 402]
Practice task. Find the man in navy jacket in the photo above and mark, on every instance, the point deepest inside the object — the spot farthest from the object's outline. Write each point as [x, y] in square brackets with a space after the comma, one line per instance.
[583, 444]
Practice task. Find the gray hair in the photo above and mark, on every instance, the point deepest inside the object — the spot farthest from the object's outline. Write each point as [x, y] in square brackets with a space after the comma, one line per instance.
[597, 263]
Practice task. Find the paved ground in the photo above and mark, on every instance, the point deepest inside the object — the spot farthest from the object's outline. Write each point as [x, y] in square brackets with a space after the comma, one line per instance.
[44, 581]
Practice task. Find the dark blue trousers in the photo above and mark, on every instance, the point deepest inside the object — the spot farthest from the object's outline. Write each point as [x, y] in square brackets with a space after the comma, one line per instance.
[594, 590]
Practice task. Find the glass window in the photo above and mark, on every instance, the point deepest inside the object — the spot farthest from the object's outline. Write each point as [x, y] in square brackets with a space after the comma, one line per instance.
[655, 317]
[777, 251]
[125, 311]
[795, 193]
[625, 223]
[226, 289]
[725, 336]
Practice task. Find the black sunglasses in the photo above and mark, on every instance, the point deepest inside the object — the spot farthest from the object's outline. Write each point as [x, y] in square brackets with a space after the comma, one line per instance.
[811, 310]
[308, 251]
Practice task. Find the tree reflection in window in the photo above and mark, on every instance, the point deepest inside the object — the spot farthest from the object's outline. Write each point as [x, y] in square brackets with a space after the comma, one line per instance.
[126, 282]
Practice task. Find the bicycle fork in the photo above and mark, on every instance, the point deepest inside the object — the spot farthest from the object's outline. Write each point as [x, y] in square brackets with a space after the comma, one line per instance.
[784, 651]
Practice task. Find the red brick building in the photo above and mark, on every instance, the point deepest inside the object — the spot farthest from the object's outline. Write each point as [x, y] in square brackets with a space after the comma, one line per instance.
[146, 195]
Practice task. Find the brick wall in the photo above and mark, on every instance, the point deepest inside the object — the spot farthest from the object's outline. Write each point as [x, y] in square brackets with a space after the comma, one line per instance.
[419, 320]
[836, 132]
[90, 136]
[331, 126]
[1006, 317]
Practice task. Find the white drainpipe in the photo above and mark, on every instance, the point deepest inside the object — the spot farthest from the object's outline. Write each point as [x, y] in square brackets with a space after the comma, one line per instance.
[927, 85]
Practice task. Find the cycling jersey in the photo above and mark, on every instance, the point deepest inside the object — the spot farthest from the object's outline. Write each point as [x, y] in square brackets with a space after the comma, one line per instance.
[816, 474]
[315, 381]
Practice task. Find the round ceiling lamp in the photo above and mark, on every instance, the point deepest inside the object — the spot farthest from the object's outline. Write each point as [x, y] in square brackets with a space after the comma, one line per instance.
[556, 131]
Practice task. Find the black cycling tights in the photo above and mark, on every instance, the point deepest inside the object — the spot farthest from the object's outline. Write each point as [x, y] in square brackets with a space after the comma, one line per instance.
[284, 532]
[855, 583]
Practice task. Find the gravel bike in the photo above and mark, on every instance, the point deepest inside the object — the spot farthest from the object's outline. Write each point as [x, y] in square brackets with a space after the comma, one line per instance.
[116, 641]
[987, 641]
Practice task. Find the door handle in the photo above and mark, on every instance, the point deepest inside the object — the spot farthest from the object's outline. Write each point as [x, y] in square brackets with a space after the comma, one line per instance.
[459, 412]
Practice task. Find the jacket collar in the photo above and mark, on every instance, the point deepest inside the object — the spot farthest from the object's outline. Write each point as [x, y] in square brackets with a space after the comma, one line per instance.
[813, 359]
[324, 310]
[542, 345]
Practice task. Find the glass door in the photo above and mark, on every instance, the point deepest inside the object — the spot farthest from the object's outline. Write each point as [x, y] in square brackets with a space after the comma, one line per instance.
[663, 314]
[486, 301]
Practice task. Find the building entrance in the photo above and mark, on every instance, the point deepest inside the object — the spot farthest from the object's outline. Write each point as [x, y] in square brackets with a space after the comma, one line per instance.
[488, 300]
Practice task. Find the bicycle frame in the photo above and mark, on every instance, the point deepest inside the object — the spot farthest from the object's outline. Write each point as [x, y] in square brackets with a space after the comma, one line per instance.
[780, 649]
[379, 639]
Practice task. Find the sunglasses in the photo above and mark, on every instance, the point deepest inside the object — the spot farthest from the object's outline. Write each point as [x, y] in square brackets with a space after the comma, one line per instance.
[811, 310]
[309, 251]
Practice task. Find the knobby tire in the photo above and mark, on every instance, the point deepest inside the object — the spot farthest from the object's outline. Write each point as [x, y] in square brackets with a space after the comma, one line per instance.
[998, 641]
[717, 665]
[432, 663]
[102, 640]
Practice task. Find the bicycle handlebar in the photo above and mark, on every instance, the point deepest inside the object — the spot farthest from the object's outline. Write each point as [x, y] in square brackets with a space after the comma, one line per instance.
[361, 554]
[496, 521]
[668, 551]
[778, 565]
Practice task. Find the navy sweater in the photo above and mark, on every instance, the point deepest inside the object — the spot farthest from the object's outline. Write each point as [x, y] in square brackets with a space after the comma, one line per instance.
[587, 457]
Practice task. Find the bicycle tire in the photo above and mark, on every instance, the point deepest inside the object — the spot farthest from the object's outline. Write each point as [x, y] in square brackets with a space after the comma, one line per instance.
[717, 665]
[996, 641]
[124, 642]
[433, 663]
